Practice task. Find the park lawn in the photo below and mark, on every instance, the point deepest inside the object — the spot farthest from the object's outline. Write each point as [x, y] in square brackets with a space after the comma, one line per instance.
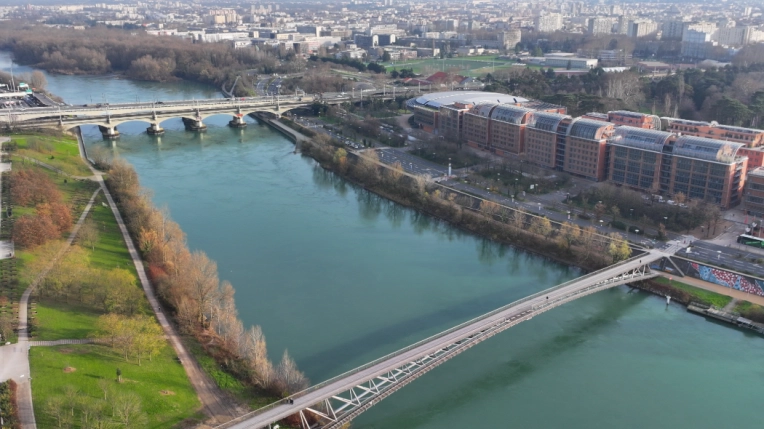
[111, 250]
[65, 153]
[750, 310]
[712, 298]
[94, 362]
[61, 321]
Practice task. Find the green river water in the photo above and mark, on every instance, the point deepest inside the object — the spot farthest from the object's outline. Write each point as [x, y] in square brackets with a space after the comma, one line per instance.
[339, 277]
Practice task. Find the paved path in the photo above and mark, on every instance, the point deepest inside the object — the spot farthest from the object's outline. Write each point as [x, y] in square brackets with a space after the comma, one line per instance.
[14, 359]
[215, 401]
[60, 342]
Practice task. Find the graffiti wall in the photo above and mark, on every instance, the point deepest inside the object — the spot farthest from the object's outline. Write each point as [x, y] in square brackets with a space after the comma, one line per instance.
[721, 277]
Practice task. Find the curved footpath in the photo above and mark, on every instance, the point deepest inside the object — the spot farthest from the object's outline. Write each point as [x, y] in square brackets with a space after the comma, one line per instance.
[212, 398]
[15, 358]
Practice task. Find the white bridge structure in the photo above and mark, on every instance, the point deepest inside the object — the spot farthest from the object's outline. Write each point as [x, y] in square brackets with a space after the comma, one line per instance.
[337, 401]
[193, 112]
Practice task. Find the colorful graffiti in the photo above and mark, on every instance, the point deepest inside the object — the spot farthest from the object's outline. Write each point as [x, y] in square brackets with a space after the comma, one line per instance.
[726, 278]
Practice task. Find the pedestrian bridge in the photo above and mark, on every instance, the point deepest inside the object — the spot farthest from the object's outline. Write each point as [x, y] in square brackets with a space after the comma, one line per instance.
[337, 401]
[193, 112]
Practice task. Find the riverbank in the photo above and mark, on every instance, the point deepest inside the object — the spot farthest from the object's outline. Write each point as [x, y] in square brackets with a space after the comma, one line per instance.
[680, 292]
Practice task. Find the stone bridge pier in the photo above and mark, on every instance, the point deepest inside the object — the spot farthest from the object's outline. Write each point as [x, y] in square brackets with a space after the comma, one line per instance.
[154, 129]
[237, 121]
[109, 133]
[194, 124]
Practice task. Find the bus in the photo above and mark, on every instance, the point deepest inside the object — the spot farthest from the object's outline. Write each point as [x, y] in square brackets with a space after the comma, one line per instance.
[750, 240]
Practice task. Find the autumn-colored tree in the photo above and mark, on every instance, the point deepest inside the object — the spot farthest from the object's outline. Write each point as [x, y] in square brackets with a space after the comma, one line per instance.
[59, 214]
[31, 187]
[341, 160]
[31, 231]
[203, 283]
[618, 249]
[541, 226]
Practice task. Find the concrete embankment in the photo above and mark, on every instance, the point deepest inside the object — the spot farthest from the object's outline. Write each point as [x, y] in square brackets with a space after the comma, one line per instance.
[291, 134]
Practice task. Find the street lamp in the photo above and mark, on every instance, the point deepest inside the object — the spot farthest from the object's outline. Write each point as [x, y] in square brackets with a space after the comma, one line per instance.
[631, 213]
[718, 254]
[636, 231]
[600, 223]
[568, 214]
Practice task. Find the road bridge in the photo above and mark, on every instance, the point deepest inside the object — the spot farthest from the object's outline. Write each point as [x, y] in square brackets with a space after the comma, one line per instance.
[337, 401]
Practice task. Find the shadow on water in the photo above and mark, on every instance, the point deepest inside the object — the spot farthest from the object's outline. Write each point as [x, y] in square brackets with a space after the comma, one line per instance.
[524, 363]
[328, 180]
[324, 362]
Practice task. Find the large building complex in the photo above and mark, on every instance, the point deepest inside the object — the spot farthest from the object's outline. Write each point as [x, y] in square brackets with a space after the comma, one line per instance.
[659, 161]
[701, 160]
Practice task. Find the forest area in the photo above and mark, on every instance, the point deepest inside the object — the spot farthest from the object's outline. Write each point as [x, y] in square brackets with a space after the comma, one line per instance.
[100, 50]
[733, 95]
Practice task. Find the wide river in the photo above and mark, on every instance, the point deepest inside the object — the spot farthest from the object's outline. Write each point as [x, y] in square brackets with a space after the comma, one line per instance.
[339, 277]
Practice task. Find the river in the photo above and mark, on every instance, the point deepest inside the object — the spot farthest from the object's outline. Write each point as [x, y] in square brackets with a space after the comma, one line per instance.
[339, 277]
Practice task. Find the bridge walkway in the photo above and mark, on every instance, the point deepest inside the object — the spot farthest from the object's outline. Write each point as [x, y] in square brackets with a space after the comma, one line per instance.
[358, 389]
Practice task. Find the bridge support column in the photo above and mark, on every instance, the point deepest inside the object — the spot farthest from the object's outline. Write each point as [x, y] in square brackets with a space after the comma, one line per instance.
[109, 133]
[155, 129]
[194, 124]
[237, 121]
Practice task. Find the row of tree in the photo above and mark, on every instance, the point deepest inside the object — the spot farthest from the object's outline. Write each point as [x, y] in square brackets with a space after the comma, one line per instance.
[72, 408]
[584, 247]
[73, 279]
[188, 282]
[99, 50]
[32, 188]
[733, 95]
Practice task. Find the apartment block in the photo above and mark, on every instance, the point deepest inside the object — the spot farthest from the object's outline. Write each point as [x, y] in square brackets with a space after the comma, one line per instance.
[754, 193]
[585, 148]
[700, 168]
[545, 139]
[507, 129]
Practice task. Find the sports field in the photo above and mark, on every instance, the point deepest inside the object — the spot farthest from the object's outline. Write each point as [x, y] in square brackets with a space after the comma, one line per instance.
[468, 66]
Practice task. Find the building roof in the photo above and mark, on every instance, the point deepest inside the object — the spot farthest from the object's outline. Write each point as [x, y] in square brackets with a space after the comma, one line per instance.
[709, 149]
[545, 121]
[587, 128]
[641, 138]
[759, 172]
[438, 99]
[483, 109]
[510, 113]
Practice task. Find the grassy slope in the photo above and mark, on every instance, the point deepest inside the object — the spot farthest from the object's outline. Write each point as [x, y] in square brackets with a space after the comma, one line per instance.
[60, 321]
[94, 362]
[65, 155]
[713, 298]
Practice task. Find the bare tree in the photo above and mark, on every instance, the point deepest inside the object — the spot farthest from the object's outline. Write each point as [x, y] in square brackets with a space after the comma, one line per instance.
[290, 379]
[128, 411]
[88, 234]
[203, 283]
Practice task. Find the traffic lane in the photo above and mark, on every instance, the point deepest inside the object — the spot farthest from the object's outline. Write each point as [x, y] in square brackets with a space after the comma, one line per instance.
[718, 255]
[413, 163]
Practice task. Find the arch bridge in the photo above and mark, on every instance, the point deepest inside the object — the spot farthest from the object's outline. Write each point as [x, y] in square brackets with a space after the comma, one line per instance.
[337, 401]
[193, 112]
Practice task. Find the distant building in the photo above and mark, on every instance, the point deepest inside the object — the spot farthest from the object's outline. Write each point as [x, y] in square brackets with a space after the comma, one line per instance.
[601, 25]
[548, 23]
[571, 62]
[641, 28]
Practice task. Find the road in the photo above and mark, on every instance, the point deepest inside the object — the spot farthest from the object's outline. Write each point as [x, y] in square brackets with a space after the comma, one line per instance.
[738, 259]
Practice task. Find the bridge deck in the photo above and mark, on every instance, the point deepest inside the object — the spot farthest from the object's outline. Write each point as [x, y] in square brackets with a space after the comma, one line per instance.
[522, 308]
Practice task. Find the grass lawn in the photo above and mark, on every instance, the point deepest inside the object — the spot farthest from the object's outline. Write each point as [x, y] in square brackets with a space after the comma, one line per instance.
[110, 251]
[713, 298]
[166, 394]
[62, 152]
[750, 310]
[60, 321]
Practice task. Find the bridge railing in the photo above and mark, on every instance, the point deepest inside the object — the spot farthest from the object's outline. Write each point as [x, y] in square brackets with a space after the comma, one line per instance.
[425, 341]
